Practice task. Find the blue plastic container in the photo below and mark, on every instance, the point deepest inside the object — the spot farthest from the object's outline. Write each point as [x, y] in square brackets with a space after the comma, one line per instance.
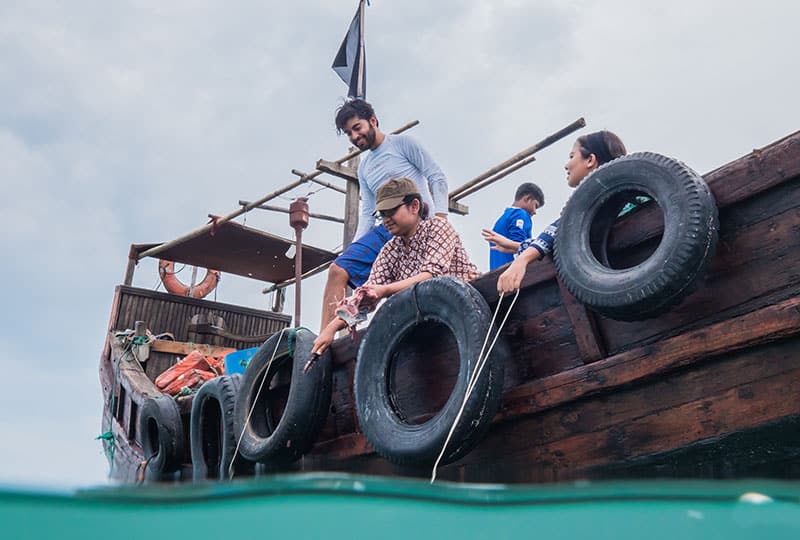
[236, 361]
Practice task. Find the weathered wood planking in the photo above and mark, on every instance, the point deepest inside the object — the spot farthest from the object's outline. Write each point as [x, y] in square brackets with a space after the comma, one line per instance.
[170, 313]
[729, 394]
[685, 408]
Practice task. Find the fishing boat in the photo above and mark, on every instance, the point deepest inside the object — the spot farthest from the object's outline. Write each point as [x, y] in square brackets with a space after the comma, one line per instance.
[700, 381]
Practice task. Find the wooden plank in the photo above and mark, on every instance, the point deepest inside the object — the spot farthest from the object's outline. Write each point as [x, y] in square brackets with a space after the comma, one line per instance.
[457, 207]
[351, 202]
[536, 273]
[205, 304]
[342, 171]
[756, 172]
[607, 412]
[737, 281]
[744, 407]
[587, 336]
[767, 324]
[182, 348]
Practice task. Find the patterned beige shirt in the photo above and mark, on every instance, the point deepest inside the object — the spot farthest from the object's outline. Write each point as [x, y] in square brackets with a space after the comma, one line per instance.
[435, 248]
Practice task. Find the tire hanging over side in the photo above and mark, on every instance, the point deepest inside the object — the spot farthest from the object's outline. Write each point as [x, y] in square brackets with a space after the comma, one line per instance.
[459, 307]
[279, 443]
[212, 432]
[161, 435]
[671, 272]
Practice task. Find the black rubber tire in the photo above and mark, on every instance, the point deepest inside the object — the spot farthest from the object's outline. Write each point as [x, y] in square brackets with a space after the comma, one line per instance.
[212, 430]
[671, 272]
[464, 311]
[161, 436]
[306, 408]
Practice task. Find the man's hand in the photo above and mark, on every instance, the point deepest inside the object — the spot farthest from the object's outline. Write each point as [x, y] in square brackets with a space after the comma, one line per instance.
[325, 338]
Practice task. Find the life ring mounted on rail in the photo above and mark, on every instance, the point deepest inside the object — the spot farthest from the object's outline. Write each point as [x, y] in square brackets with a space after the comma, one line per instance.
[166, 270]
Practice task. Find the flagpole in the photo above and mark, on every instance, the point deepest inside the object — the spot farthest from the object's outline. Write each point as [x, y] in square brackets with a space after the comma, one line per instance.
[361, 91]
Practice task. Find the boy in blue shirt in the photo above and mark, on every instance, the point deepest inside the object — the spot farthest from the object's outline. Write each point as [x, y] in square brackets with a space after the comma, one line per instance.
[515, 223]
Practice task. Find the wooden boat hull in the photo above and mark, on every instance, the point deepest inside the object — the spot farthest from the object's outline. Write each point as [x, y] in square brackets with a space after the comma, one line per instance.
[709, 389]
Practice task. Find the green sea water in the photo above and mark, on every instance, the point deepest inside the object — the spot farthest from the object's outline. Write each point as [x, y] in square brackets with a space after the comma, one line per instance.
[353, 507]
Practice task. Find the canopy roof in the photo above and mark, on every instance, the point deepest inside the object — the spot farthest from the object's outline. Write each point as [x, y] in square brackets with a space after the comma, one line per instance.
[235, 249]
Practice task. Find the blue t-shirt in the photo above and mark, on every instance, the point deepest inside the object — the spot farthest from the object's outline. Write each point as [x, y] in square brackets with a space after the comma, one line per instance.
[515, 224]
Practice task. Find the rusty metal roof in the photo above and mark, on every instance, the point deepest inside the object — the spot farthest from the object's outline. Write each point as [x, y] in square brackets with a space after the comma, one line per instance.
[244, 251]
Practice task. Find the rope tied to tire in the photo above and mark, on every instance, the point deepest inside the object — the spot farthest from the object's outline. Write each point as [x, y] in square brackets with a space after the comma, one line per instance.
[476, 373]
[292, 332]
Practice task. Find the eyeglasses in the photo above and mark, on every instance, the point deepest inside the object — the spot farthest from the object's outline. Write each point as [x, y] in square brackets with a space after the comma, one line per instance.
[390, 212]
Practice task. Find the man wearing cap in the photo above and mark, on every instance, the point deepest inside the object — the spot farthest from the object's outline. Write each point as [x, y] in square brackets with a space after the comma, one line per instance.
[418, 250]
[390, 156]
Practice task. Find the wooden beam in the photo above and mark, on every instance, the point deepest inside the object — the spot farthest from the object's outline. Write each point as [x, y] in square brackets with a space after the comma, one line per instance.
[544, 143]
[768, 324]
[458, 208]
[496, 177]
[351, 201]
[336, 169]
[286, 211]
[584, 324]
[180, 347]
[320, 182]
[758, 171]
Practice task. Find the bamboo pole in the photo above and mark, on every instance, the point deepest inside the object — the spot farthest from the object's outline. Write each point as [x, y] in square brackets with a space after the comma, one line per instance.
[360, 90]
[320, 182]
[284, 284]
[544, 143]
[497, 177]
[286, 211]
[206, 228]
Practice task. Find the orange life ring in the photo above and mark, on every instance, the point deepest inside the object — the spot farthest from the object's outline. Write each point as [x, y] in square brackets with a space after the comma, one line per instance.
[166, 269]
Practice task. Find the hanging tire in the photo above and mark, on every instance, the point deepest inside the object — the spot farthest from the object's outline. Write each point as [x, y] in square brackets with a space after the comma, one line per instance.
[466, 315]
[273, 436]
[212, 431]
[661, 281]
[161, 435]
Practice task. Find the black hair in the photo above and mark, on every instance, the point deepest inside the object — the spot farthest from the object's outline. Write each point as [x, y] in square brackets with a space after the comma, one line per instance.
[353, 108]
[424, 211]
[529, 188]
[605, 146]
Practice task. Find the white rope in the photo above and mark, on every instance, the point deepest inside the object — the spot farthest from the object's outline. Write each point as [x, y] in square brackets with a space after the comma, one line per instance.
[476, 373]
[253, 406]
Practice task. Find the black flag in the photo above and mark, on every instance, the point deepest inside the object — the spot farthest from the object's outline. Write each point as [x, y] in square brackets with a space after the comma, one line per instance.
[350, 62]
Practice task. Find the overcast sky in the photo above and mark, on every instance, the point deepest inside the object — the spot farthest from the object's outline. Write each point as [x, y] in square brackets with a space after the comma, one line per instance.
[129, 121]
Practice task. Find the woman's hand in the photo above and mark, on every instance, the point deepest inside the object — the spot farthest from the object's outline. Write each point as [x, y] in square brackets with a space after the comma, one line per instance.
[501, 243]
[373, 295]
[510, 280]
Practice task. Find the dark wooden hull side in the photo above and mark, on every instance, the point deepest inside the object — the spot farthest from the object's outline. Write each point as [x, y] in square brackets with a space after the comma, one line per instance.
[589, 397]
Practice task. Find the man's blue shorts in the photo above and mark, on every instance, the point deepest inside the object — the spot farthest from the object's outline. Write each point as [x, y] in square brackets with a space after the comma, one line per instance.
[357, 259]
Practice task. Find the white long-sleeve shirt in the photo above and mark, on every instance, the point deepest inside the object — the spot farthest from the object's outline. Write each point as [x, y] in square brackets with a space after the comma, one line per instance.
[399, 156]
